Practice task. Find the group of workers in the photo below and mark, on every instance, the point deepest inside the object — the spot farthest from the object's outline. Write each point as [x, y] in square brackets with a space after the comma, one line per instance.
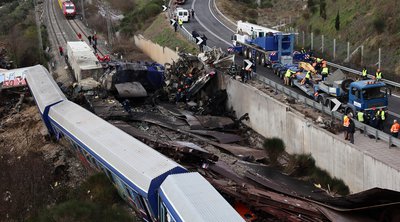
[376, 120]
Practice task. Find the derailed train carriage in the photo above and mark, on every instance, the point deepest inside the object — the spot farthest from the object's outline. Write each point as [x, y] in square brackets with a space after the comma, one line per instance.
[155, 186]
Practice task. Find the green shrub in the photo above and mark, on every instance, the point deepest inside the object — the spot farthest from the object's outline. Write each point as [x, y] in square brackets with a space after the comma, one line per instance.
[379, 24]
[274, 148]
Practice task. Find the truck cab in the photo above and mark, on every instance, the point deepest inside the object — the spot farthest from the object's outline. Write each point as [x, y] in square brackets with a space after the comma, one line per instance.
[367, 95]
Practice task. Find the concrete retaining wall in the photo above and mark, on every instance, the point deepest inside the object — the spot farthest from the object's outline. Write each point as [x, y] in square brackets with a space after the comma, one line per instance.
[156, 52]
[272, 118]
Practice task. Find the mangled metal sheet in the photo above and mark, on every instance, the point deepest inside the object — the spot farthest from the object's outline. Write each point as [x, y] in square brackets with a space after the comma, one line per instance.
[242, 152]
[109, 108]
[131, 90]
[193, 122]
[220, 136]
[215, 122]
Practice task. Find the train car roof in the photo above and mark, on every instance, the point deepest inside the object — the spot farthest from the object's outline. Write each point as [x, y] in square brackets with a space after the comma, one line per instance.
[136, 163]
[190, 197]
[43, 87]
[83, 55]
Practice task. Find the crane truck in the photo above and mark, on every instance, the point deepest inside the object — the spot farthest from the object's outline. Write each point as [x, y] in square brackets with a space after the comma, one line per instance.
[353, 96]
[264, 45]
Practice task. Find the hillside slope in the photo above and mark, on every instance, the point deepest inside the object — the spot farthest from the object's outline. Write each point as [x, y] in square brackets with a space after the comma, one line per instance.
[373, 24]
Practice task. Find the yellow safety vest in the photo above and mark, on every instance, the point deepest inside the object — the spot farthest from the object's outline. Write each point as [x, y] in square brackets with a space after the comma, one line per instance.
[378, 75]
[288, 73]
[319, 60]
[180, 21]
[325, 70]
[360, 116]
[308, 75]
[364, 72]
[381, 114]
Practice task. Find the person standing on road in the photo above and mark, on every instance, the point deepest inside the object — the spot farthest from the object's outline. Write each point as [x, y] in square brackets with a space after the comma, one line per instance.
[180, 22]
[351, 128]
[360, 118]
[175, 26]
[94, 38]
[288, 74]
[192, 12]
[395, 128]
[79, 36]
[95, 48]
[364, 73]
[381, 115]
[90, 39]
[378, 75]
[346, 123]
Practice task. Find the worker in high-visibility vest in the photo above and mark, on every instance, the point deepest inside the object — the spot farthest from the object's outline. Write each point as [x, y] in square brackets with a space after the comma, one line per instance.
[395, 128]
[381, 115]
[288, 74]
[324, 73]
[346, 124]
[307, 78]
[364, 73]
[180, 22]
[360, 118]
[378, 75]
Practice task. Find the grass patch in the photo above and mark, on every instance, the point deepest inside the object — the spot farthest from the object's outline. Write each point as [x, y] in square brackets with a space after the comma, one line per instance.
[303, 165]
[96, 199]
[161, 32]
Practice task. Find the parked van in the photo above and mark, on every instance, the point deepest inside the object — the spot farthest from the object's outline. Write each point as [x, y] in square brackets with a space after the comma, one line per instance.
[183, 14]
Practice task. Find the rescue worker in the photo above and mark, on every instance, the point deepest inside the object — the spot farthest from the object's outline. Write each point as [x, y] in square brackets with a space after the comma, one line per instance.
[351, 128]
[192, 12]
[175, 26]
[395, 128]
[364, 74]
[346, 124]
[90, 39]
[308, 78]
[180, 22]
[60, 48]
[378, 75]
[324, 73]
[381, 115]
[79, 36]
[360, 118]
[288, 74]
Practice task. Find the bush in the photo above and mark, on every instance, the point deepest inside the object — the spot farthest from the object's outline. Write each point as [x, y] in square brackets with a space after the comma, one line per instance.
[379, 24]
[274, 148]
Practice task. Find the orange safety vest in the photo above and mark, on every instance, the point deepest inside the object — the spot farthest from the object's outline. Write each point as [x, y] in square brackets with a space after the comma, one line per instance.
[346, 121]
[395, 128]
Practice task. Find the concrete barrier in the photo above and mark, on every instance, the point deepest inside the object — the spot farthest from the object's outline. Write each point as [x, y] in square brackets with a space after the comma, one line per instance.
[156, 52]
[358, 168]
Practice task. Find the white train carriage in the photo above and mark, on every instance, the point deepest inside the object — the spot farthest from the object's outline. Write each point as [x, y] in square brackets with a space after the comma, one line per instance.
[136, 169]
[189, 197]
[45, 91]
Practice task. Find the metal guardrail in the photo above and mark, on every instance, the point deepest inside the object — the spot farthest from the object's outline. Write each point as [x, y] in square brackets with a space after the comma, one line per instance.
[368, 130]
[391, 83]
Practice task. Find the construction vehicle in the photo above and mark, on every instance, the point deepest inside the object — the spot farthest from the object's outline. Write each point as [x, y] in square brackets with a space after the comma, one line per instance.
[263, 45]
[364, 95]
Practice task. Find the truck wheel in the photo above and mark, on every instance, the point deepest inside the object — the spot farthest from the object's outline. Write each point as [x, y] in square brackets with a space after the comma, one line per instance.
[263, 60]
[246, 53]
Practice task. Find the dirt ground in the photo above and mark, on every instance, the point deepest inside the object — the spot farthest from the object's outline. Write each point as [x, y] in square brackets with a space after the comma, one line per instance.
[34, 170]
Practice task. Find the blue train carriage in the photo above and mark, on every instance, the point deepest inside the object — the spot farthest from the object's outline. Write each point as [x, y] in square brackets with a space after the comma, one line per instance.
[44, 90]
[189, 197]
[134, 168]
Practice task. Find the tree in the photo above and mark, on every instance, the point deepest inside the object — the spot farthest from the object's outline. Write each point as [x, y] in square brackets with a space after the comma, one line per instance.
[322, 9]
[337, 22]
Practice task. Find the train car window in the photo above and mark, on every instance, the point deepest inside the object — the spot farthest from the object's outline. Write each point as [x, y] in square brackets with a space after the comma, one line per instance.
[146, 206]
[110, 175]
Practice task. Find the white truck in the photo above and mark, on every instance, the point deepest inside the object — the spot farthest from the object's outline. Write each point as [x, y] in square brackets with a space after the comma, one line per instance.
[83, 61]
[183, 14]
